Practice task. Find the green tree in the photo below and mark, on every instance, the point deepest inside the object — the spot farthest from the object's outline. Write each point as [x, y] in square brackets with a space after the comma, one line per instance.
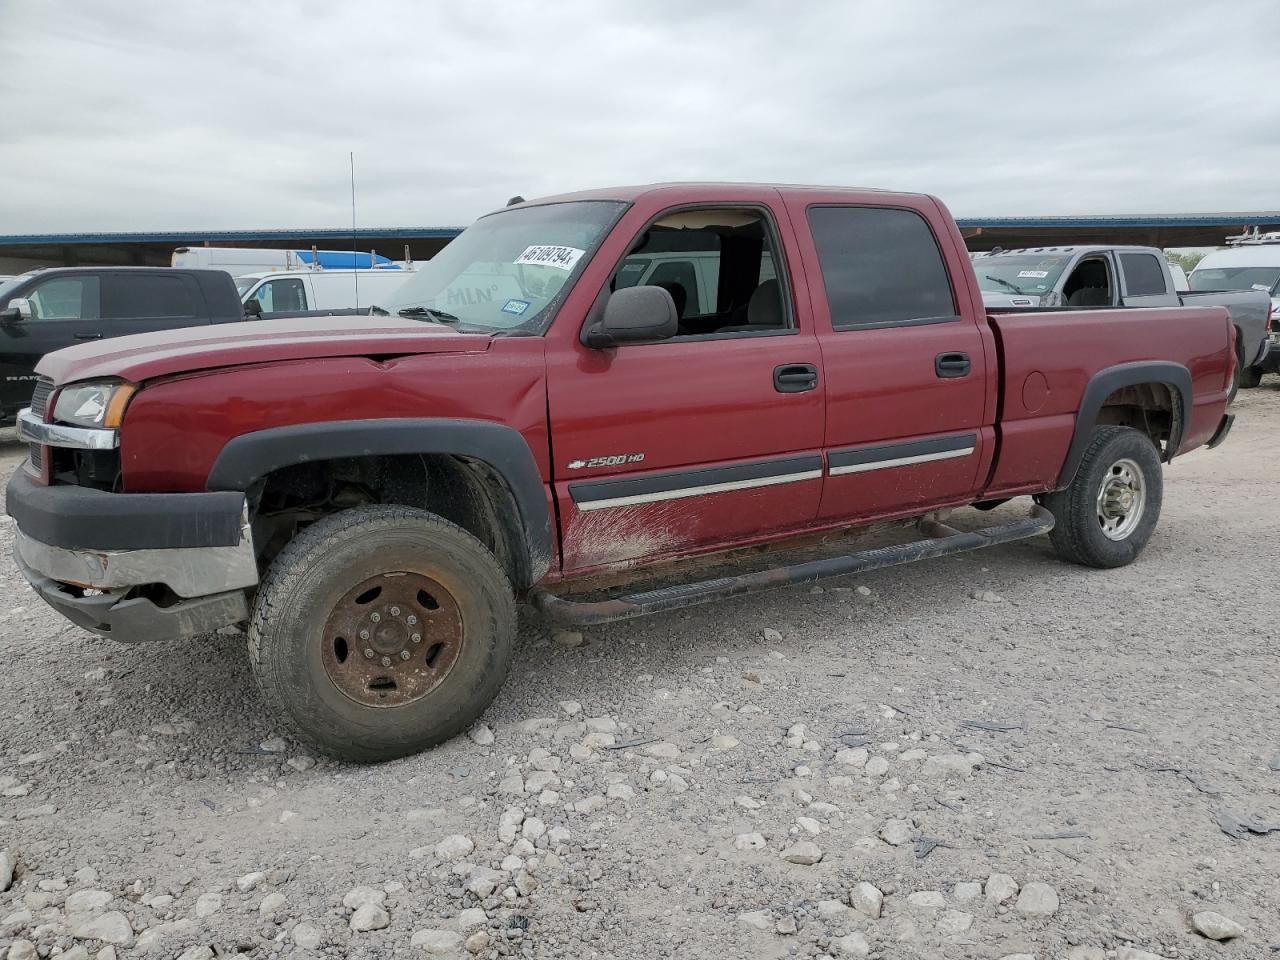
[1187, 261]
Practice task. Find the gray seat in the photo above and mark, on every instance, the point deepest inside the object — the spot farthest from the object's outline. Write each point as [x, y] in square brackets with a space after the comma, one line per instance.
[1090, 297]
[764, 310]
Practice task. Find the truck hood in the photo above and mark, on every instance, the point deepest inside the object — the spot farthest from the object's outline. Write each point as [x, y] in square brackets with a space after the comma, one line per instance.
[1009, 299]
[147, 355]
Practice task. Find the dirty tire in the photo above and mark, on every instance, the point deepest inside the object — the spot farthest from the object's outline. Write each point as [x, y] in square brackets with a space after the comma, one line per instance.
[1078, 532]
[1250, 377]
[307, 584]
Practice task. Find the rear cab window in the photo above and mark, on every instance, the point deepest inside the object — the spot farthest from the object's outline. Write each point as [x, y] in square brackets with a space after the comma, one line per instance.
[145, 296]
[1143, 275]
[881, 267]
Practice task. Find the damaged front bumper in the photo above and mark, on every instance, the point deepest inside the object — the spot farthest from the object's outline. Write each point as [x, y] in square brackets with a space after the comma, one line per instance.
[135, 567]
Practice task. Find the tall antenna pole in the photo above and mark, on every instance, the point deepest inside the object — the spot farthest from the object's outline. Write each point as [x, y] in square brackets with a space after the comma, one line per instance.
[355, 273]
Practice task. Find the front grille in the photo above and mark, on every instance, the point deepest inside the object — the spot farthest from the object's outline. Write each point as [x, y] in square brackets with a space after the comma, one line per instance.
[40, 399]
[39, 405]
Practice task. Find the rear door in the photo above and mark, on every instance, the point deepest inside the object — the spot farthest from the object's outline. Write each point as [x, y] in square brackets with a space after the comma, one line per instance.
[143, 301]
[906, 357]
[709, 439]
[65, 310]
[1145, 280]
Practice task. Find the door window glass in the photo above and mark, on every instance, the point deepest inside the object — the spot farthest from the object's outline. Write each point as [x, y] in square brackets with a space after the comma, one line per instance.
[65, 298]
[150, 295]
[283, 295]
[1142, 275]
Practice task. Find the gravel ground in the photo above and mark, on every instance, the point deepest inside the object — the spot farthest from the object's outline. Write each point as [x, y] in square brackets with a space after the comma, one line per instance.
[986, 756]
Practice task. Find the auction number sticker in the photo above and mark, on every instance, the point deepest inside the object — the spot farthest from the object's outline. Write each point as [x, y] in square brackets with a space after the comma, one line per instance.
[546, 255]
[516, 307]
[1036, 274]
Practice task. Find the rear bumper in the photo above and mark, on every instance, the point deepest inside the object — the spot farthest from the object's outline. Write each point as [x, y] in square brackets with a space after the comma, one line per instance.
[135, 566]
[1270, 359]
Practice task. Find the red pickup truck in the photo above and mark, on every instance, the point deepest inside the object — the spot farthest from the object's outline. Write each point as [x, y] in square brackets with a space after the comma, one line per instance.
[575, 386]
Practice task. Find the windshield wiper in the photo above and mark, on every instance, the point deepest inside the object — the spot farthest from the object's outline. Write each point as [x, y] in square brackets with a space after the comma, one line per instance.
[430, 313]
[1005, 283]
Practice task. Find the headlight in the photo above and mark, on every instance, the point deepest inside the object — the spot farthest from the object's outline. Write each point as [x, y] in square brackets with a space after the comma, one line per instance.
[93, 404]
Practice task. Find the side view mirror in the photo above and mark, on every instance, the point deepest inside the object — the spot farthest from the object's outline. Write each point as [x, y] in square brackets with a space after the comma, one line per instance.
[635, 314]
[19, 309]
[252, 308]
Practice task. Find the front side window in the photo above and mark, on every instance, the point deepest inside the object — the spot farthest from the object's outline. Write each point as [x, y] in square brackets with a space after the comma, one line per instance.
[508, 271]
[881, 267]
[1143, 276]
[66, 298]
[281, 296]
[718, 266]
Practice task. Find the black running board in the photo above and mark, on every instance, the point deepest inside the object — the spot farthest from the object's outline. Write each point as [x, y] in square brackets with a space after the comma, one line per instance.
[941, 542]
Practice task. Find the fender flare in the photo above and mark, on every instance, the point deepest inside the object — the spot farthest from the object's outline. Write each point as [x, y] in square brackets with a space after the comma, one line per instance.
[251, 456]
[1105, 382]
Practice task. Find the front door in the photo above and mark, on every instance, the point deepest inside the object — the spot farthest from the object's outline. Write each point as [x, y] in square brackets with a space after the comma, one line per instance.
[706, 440]
[65, 310]
[906, 358]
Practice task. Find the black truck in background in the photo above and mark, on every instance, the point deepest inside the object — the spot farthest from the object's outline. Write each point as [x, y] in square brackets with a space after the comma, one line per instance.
[50, 309]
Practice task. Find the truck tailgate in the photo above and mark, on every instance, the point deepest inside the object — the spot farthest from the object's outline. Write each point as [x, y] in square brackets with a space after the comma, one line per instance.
[1048, 357]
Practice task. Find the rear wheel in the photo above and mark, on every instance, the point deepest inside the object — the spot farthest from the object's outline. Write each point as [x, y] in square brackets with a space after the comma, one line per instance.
[381, 631]
[1107, 514]
[1250, 377]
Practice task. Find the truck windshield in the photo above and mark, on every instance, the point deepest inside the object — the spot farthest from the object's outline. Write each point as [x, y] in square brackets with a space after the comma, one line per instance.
[1235, 278]
[506, 272]
[1033, 274]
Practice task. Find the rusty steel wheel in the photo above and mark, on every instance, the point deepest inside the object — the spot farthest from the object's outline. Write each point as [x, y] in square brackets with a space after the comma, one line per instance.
[392, 639]
[381, 631]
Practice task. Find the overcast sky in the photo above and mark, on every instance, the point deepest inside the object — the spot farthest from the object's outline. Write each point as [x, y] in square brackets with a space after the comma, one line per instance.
[132, 114]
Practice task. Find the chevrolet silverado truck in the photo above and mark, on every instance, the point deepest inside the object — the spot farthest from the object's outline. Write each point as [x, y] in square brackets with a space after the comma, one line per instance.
[1093, 275]
[370, 496]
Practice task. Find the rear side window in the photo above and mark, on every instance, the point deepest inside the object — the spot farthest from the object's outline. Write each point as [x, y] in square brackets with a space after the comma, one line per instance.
[1143, 276]
[881, 267]
[152, 295]
[65, 298]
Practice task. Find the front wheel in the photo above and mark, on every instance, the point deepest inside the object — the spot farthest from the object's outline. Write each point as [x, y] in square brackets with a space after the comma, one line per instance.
[1107, 514]
[1250, 377]
[381, 631]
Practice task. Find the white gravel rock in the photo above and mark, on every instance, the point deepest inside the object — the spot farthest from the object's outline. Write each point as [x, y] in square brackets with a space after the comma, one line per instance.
[22, 950]
[362, 896]
[805, 853]
[369, 917]
[509, 824]
[249, 882]
[481, 735]
[272, 903]
[1133, 953]
[1215, 926]
[1000, 888]
[877, 767]
[471, 918]
[454, 847]
[955, 766]
[620, 791]
[571, 707]
[533, 829]
[756, 919]
[111, 927]
[896, 832]
[853, 756]
[1037, 900]
[851, 945]
[602, 724]
[274, 745]
[198, 952]
[207, 904]
[927, 900]
[954, 922]
[867, 899]
[749, 841]
[87, 901]
[306, 936]
[966, 891]
[436, 942]
[809, 825]
[663, 750]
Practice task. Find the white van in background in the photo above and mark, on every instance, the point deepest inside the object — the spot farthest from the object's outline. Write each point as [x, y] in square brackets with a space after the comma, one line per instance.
[1252, 266]
[239, 261]
[295, 290]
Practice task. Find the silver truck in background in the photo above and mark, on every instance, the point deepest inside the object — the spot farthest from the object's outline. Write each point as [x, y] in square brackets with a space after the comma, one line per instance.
[1109, 276]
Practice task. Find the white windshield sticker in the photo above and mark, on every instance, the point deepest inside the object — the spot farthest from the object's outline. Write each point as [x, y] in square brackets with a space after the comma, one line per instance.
[545, 255]
[1038, 274]
[516, 307]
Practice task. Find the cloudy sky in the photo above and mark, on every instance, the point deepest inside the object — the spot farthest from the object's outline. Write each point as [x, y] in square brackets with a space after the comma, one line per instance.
[133, 114]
